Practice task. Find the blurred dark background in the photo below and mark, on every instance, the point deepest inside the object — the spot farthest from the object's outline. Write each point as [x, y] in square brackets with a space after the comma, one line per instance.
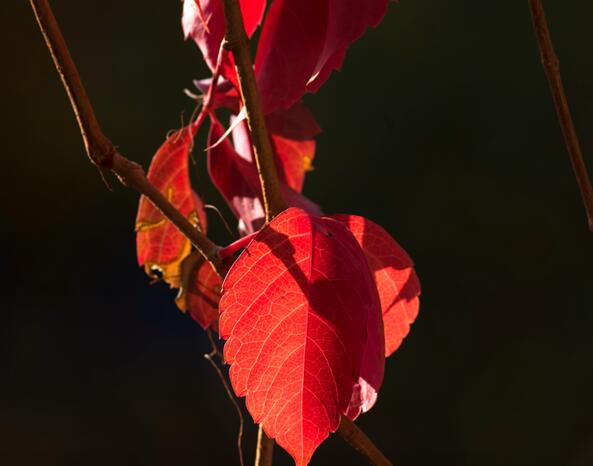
[440, 127]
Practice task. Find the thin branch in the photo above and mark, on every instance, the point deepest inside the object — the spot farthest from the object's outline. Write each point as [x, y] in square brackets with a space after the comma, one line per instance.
[552, 68]
[361, 443]
[236, 40]
[210, 358]
[265, 449]
[99, 149]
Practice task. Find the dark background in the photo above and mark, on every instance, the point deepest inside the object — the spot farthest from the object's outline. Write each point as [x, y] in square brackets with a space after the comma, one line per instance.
[440, 127]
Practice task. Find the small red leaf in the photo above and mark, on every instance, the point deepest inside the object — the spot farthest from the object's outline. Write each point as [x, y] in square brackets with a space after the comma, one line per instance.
[292, 134]
[303, 41]
[397, 283]
[348, 19]
[293, 36]
[206, 28]
[237, 180]
[160, 245]
[294, 310]
[199, 291]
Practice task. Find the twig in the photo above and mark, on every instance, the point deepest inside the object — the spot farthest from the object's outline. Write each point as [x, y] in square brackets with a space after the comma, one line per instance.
[265, 449]
[361, 443]
[552, 68]
[210, 358]
[236, 40]
[99, 149]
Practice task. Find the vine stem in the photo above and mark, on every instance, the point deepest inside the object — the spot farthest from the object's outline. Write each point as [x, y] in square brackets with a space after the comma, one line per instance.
[551, 66]
[237, 42]
[361, 443]
[99, 149]
[264, 455]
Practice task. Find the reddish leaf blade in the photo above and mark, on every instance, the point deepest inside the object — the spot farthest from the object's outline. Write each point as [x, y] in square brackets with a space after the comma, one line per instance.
[348, 19]
[397, 283]
[292, 134]
[206, 28]
[160, 246]
[292, 38]
[237, 180]
[199, 292]
[294, 310]
[303, 41]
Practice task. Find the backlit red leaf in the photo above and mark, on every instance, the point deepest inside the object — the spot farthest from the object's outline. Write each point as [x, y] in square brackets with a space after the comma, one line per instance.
[292, 38]
[347, 20]
[237, 180]
[208, 34]
[160, 245]
[303, 41]
[292, 133]
[199, 291]
[397, 283]
[294, 311]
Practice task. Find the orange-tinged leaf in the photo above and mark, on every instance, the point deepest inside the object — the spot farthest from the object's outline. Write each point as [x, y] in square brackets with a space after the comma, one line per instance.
[294, 311]
[199, 292]
[292, 133]
[161, 247]
[397, 283]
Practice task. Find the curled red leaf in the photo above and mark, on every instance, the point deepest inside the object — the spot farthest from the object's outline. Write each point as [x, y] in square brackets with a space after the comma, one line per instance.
[161, 247]
[199, 291]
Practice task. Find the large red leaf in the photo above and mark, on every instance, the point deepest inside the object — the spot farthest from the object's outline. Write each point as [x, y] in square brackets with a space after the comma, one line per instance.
[292, 133]
[397, 283]
[160, 245]
[199, 291]
[294, 311]
[237, 180]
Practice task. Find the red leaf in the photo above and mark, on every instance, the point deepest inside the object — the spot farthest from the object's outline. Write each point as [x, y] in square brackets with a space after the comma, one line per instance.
[292, 134]
[208, 36]
[348, 19]
[303, 41]
[397, 283]
[294, 310]
[237, 180]
[292, 38]
[160, 246]
[199, 292]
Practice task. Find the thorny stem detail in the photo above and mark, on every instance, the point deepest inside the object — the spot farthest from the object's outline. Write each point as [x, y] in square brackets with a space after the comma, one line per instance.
[99, 149]
[552, 68]
[237, 42]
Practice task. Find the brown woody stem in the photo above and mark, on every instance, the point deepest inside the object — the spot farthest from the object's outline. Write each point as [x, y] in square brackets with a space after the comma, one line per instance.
[99, 149]
[361, 443]
[552, 68]
[264, 454]
[237, 42]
